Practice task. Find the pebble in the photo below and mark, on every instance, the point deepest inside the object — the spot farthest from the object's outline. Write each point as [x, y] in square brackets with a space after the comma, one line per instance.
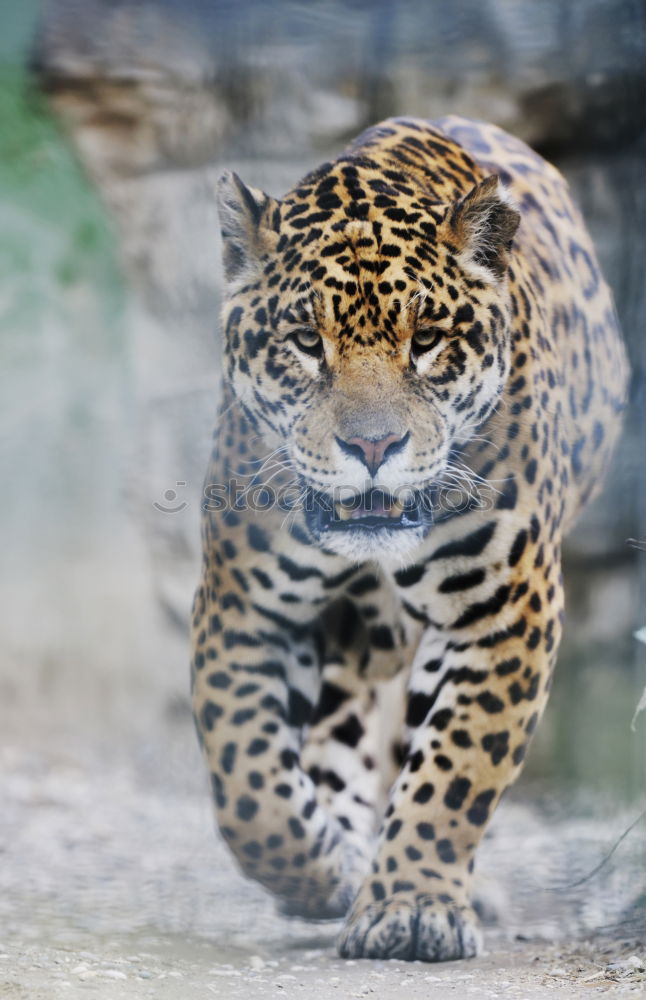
[113, 974]
[627, 965]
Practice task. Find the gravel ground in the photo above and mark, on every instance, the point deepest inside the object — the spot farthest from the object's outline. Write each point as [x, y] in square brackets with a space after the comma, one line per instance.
[112, 884]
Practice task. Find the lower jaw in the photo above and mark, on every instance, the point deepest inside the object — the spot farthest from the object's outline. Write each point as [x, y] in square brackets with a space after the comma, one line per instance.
[377, 544]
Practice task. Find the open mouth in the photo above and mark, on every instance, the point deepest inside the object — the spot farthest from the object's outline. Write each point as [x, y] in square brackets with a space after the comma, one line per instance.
[373, 510]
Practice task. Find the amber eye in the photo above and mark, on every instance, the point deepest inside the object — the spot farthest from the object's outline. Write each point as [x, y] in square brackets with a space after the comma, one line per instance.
[425, 340]
[308, 341]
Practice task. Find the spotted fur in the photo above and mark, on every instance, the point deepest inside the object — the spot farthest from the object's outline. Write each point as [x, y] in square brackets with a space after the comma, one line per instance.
[425, 312]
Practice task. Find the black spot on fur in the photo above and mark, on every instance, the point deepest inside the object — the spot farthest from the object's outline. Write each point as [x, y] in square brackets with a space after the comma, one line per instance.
[228, 757]
[219, 680]
[257, 538]
[413, 854]
[518, 547]
[456, 793]
[378, 891]
[288, 759]
[299, 708]
[508, 497]
[381, 637]
[419, 705]
[393, 829]
[440, 720]
[209, 714]
[472, 544]
[400, 885]
[296, 572]
[246, 807]
[482, 609]
[330, 699]
[445, 851]
[349, 732]
[490, 702]
[409, 576]
[496, 745]
[424, 793]
[296, 827]
[462, 581]
[478, 814]
[242, 715]
[506, 667]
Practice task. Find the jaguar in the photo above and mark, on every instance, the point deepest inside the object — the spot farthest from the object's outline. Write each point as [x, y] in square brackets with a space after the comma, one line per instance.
[423, 379]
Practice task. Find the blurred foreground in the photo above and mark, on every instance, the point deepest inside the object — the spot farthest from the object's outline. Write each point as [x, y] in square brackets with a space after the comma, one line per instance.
[113, 885]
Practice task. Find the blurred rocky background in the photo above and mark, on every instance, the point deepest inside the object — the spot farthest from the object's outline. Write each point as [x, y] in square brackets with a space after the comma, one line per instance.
[116, 118]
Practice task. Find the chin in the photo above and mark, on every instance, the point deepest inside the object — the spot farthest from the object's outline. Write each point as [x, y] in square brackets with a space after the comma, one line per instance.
[383, 545]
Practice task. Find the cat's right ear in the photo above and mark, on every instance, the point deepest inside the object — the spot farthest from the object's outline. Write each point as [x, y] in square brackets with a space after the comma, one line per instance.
[244, 216]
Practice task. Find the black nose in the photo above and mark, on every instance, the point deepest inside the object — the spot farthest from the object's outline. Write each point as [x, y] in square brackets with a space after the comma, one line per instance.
[373, 453]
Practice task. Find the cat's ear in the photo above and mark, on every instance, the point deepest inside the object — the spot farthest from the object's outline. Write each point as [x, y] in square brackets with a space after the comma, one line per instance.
[484, 224]
[245, 222]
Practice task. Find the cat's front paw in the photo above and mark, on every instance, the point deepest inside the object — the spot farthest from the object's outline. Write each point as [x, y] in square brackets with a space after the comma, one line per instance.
[423, 928]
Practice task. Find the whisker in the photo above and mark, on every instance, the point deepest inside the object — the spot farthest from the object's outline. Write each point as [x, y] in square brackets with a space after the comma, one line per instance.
[419, 295]
[254, 461]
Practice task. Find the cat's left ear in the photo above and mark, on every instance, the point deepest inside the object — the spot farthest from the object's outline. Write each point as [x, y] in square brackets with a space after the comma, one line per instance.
[484, 224]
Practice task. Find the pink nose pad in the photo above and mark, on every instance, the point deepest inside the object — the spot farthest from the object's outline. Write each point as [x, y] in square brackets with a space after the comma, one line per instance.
[372, 453]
